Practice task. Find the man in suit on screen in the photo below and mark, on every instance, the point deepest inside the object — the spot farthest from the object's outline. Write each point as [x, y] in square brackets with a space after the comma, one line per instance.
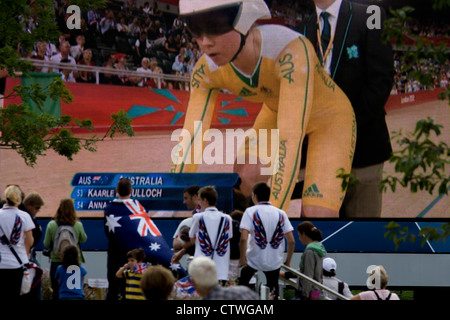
[347, 38]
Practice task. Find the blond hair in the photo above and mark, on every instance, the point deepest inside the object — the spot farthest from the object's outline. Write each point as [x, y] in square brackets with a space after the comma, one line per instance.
[13, 195]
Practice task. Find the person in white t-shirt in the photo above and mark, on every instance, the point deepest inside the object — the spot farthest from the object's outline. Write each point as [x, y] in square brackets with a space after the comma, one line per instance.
[329, 280]
[267, 227]
[16, 225]
[211, 231]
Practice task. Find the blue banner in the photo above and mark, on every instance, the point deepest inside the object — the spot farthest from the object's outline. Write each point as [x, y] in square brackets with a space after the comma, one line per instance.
[155, 191]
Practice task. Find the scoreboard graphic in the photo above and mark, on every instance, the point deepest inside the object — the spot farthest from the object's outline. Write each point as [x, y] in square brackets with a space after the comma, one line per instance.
[92, 191]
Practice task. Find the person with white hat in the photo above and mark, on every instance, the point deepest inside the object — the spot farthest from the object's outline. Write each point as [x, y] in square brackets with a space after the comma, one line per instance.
[278, 67]
[330, 280]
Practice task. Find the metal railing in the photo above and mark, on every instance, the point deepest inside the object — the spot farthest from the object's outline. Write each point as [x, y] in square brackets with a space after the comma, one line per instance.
[98, 70]
[314, 282]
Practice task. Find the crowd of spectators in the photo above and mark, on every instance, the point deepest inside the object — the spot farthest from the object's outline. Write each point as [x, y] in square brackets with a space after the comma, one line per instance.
[125, 36]
[439, 73]
[121, 36]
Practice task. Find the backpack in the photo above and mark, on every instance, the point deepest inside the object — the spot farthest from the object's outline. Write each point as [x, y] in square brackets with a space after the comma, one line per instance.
[64, 236]
[379, 298]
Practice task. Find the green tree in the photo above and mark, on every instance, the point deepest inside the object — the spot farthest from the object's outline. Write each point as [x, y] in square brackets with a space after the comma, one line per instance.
[29, 132]
[420, 163]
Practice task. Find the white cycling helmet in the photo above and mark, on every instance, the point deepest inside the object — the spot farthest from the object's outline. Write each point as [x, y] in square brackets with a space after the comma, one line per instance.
[245, 12]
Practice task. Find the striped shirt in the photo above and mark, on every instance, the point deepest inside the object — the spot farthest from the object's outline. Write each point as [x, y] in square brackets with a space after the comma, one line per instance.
[133, 289]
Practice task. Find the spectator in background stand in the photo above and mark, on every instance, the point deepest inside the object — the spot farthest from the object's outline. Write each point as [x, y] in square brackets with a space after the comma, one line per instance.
[93, 22]
[108, 28]
[108, 78]
[38, 68]
[41, 54]
[120, 59]
[188, 51]
[144, 68]
[86, 76]
[330, 280]
[189, 65]
[122, 27]
[64, 53]
[160, 84]
[134, 28]
[142, 46]
[147, 9]
[67, 73]
[76, 51]
[156, 33]
[178, 68]
[170, 45]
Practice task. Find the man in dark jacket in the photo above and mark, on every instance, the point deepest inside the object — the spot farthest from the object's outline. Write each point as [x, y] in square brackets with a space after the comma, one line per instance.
[352, 52]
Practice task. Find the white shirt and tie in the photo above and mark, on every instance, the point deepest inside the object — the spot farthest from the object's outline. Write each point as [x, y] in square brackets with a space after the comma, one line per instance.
[333, 10]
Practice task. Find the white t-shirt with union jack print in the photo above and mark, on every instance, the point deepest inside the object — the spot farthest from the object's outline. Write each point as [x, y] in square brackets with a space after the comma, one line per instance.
[267, 226]
[212, 231]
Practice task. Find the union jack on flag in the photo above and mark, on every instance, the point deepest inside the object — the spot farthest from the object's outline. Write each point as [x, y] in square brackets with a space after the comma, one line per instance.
[140, 267]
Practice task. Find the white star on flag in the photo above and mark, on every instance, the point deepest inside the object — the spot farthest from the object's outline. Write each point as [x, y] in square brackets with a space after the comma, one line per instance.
[111, 222]
[174, 266]
[155, 246]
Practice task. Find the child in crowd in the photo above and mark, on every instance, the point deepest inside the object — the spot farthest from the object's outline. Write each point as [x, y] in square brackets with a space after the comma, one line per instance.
[132, 272]
[70, 275]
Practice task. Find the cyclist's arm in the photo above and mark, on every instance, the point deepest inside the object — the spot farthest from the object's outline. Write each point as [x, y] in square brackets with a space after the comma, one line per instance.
[188, 153]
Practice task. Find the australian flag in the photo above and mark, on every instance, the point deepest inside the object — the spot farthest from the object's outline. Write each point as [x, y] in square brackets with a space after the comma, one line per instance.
[128, 226]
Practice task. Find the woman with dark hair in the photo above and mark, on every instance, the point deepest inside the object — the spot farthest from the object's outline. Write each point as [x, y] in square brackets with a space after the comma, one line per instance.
[311, 260]
[70, 271]
[65, 216]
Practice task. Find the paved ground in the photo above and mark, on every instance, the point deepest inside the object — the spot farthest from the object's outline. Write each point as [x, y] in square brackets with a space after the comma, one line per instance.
[150, 152]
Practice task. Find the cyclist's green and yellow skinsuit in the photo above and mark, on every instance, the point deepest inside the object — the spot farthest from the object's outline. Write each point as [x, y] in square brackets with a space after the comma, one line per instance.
[298, 98]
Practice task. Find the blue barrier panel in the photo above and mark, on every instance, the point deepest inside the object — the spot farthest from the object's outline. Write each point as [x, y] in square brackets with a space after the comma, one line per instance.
[96, 238]
[155, 191]
[369, 237]
[338, 236]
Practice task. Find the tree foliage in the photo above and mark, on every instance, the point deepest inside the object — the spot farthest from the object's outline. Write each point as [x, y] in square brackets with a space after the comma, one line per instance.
[420, 161]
